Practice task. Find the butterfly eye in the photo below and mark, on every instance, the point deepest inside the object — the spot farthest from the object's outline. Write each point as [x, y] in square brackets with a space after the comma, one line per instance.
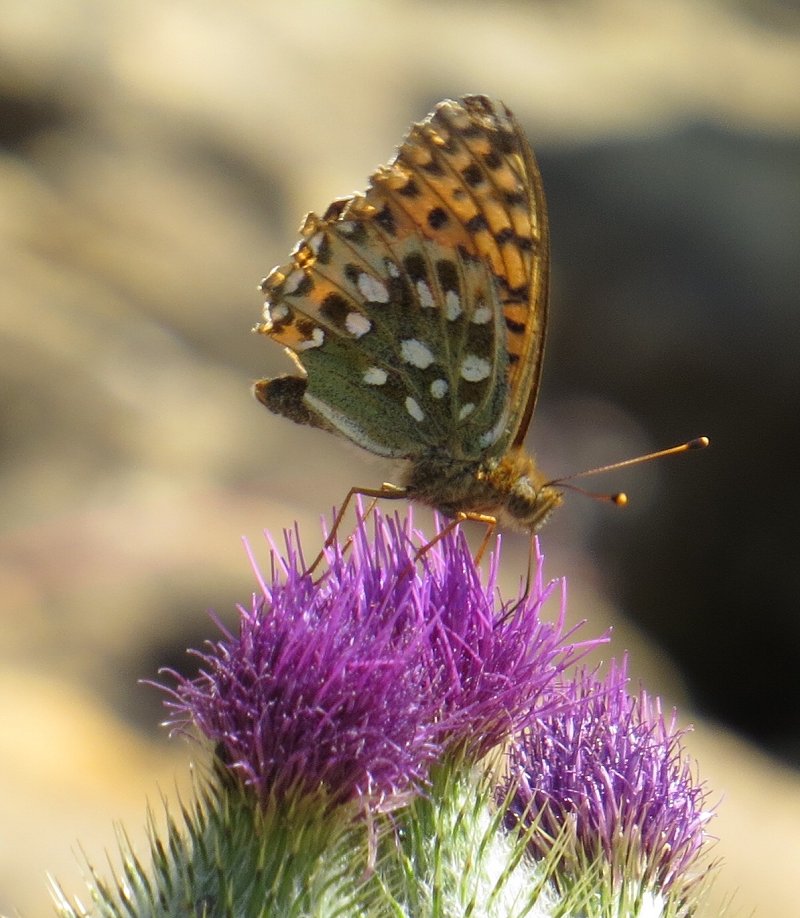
[522, 496]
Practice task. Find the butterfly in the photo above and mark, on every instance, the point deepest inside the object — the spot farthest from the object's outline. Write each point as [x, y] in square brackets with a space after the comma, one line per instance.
[415, 314]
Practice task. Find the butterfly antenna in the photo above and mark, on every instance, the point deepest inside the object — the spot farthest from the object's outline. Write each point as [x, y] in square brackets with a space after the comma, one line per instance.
[620, 498]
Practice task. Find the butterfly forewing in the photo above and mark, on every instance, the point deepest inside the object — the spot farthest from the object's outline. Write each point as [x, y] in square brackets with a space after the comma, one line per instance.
[417, 310]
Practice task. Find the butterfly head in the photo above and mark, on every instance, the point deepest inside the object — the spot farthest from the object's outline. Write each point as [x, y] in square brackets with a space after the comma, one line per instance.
[525, 498]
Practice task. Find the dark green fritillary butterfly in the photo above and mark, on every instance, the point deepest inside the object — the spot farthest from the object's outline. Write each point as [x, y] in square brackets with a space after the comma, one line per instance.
[415, 314]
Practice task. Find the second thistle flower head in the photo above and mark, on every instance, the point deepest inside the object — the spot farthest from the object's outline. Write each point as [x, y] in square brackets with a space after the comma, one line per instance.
[357, 682]
[612, 769]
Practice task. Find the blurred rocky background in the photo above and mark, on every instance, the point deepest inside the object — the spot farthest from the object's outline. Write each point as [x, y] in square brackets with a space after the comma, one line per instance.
[156, 161]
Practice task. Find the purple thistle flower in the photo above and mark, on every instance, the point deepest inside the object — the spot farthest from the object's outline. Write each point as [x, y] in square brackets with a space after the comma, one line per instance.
[496, 664]
[612, 767]
[356, 683]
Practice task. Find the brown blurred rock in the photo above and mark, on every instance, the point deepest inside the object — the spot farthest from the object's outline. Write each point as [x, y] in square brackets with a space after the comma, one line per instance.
[156, 161]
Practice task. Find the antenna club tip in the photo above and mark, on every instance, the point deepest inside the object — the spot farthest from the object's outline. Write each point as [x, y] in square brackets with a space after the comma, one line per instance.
[698, 443]
[620, 499]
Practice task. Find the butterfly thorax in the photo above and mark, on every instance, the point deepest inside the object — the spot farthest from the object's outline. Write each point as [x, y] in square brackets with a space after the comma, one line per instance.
[510, 488]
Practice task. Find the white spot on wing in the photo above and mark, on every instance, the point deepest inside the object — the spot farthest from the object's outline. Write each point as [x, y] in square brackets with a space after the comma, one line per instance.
[466, 411]
[425, 296]
[292, 282]
[481, 315]
[357, 324]
[414, 410]
[474, 368]
[274, 314]
[316, 340]
[375, 376]
[493, 435]
[452, 305]
[439, 388]
[315, 242]
[416, 353]
[373, 290]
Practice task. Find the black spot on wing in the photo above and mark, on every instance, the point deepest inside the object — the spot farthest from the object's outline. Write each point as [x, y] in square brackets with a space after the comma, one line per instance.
[493, 160]
[513, 326]
[410, 190]
[437, 218]
[385, 219]
[448, 275]
[473, 175]
[415, 267]
[476, 224]
[335, 309]
[434, 167]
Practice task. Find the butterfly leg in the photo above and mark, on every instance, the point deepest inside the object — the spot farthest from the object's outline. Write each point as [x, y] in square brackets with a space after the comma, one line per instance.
[386, 491]
[491, 525]
[458, 519]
